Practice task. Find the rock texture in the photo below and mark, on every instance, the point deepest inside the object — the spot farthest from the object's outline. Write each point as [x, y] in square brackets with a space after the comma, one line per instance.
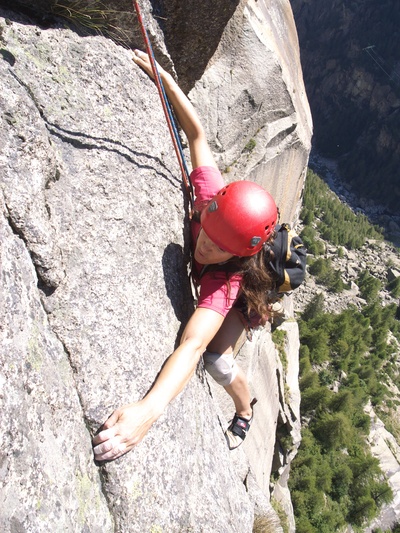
[94, 287]
[47, 475]
[184, 35]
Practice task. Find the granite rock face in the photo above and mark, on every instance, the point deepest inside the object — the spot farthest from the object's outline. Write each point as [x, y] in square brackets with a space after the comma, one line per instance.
[47, 475]
[254, 104]
[94, 292]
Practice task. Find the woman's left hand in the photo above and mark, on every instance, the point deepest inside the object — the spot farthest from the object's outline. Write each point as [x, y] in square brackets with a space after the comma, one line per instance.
[142, 60]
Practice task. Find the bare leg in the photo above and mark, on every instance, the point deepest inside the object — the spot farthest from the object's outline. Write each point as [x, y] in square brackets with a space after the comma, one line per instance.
[224, 342]
[238, 390]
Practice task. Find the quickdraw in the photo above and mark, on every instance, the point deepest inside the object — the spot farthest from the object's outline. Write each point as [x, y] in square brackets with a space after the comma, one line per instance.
[176, 141]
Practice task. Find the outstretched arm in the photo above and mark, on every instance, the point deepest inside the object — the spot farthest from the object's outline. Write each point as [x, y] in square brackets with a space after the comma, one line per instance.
[128, 425]
[200, 152]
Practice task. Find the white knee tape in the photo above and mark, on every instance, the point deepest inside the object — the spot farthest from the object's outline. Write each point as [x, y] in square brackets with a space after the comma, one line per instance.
[222, 368]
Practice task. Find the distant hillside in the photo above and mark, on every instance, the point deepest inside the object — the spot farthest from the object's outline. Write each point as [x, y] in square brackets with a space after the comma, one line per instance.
[346, 470]
[351, 62]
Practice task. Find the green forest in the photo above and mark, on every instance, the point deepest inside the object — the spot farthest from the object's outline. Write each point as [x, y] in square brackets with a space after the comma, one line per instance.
[335, 222]
[346, 361]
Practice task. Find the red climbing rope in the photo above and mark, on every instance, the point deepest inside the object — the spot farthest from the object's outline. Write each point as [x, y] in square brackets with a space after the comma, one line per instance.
[166, 106]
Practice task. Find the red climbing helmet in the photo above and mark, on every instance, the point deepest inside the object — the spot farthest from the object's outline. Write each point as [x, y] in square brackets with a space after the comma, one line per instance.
[240, 218]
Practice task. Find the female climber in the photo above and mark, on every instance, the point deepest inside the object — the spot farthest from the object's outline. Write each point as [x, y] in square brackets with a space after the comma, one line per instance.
[230, 229]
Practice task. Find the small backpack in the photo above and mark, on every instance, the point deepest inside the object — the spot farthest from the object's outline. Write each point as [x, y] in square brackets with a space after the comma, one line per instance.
[289, 262]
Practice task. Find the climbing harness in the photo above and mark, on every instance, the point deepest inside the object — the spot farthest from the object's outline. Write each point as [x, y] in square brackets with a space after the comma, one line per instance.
[176, 141]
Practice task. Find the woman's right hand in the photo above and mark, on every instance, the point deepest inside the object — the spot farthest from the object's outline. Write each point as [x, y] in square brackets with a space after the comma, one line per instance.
[125, 428]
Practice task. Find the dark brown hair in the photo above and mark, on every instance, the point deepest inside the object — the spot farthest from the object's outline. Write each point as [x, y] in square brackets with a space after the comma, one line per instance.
[257, 281]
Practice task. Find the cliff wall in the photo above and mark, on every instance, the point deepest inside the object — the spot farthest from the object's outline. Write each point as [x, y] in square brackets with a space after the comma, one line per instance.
[94, 285]
[350, 56]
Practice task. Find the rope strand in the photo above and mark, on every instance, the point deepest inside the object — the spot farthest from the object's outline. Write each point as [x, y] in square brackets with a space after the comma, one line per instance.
[166, 107]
